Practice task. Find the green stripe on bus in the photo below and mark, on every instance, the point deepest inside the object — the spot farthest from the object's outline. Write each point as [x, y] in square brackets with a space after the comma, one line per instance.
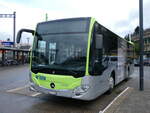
[61, 81]
[88, 48]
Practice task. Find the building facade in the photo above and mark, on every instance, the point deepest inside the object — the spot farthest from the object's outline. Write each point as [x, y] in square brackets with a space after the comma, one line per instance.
[135, 38]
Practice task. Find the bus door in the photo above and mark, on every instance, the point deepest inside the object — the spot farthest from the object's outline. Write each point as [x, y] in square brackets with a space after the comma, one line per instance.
[122, 45]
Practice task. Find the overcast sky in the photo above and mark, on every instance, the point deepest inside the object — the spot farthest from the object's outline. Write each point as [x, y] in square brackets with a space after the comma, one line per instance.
[120, 16]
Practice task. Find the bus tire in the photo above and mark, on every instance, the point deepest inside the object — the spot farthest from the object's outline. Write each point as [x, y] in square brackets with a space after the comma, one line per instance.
[111, 84]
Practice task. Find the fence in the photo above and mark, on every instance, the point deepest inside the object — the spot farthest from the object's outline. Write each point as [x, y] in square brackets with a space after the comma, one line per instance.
[14, 56]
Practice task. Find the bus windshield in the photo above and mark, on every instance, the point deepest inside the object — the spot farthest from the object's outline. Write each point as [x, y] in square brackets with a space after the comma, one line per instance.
[63, 54]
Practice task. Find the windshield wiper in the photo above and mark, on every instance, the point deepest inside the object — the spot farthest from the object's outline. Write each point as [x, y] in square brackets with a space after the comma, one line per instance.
[76, 74]
[72, 72]
[37, 69]
[61, 71]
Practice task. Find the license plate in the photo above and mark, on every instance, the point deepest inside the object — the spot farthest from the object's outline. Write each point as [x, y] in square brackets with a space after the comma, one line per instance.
[52, 92]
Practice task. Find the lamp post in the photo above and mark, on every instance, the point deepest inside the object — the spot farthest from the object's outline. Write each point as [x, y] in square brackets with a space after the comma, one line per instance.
[141, 76]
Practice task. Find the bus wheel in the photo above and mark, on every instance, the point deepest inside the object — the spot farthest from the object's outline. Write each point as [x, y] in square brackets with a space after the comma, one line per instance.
[111, 84]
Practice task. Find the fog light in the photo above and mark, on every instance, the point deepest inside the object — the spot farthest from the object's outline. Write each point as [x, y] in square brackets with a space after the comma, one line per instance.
[81, 90]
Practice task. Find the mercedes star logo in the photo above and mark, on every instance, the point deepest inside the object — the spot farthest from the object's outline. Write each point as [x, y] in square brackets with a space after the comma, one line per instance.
[52, 85]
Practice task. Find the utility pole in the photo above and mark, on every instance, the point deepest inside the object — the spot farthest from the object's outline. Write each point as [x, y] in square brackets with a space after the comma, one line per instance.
[46, 17]
[14, 23]
[141, 76]
[14, 28]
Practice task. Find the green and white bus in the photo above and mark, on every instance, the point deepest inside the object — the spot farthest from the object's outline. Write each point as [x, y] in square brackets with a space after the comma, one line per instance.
[77, 58]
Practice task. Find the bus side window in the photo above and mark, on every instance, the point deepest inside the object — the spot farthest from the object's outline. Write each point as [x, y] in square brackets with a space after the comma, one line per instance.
[98, 57]
[105, 61]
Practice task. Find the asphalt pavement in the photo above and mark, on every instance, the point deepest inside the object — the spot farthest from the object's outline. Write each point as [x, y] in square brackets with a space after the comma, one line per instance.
[137, 101]
[15, 96]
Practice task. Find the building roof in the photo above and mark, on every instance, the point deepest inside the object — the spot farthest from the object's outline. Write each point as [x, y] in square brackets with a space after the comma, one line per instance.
[14, 49]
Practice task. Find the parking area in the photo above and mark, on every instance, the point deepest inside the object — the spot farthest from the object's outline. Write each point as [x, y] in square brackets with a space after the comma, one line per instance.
[15, 93]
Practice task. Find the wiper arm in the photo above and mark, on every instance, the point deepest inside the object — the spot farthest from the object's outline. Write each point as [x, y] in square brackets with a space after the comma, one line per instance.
[38, 68]
[72, 72]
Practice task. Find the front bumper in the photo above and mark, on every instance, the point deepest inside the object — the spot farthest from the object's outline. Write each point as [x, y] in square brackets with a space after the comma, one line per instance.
[62, 93]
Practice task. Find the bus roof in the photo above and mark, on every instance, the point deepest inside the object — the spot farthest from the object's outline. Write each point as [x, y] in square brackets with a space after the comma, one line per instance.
[61, 26]
[83, 18]
[66, 19]
[114, 33]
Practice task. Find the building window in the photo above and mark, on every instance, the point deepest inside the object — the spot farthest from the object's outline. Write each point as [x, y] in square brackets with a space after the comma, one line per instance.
[145, 41]
[148, 39]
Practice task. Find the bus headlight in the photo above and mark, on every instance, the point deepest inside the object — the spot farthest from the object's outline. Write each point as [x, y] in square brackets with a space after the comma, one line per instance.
[81, 89]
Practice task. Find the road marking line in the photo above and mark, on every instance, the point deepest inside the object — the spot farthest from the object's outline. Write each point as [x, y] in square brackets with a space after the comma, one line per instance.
[19, 88]
[109, 105]
[36, 94]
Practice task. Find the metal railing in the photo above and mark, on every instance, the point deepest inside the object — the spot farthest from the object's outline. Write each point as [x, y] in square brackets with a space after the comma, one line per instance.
[13, 56]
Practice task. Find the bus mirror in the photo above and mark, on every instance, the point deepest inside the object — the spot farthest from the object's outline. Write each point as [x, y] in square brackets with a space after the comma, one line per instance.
[18, 36]
[99, 41]
[23, 30]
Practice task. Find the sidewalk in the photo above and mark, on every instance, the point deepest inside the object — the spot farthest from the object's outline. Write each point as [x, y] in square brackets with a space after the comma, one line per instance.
[136, 101]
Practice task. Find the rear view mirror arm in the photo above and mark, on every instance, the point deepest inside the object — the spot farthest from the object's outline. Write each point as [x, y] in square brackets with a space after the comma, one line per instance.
[24, 30]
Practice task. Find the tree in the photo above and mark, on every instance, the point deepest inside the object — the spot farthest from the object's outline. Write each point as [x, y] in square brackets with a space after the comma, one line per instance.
[127, 37]
[137, 29]
[137, 48]
[8, 39]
